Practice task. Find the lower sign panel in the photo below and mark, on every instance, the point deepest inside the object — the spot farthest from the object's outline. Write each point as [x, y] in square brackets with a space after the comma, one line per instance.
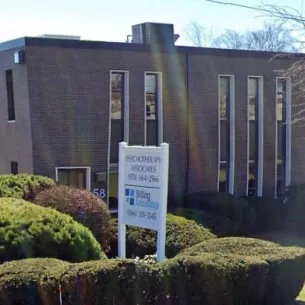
[141, 207]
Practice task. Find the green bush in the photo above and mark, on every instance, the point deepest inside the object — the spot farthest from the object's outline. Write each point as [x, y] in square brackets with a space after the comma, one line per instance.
[28, 230]
[225, 271]
[194, 280]
[219, 225]
[270, 214]
[23, 186]
[237, 209]
[83, 206]
[295, 209]
[180, 234]
[286, 265]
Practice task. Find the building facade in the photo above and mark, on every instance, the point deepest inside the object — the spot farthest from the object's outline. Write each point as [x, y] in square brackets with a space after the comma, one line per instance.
[65, 105]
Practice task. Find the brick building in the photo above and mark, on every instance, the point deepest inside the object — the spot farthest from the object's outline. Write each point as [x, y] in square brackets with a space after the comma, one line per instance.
[65, 104]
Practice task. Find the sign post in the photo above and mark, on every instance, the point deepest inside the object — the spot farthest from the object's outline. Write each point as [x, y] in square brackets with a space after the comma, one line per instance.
[143, 183]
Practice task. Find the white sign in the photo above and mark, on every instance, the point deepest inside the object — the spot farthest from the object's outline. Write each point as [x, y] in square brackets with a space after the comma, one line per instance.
[143, 182]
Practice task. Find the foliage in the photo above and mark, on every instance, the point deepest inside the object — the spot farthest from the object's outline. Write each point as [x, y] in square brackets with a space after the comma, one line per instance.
[28, 230]
[180, 234]
[295, 214]
[83, 206]
[236, 209]
[219, 225]
[23, 186]
[220, 271]
[270, 214]
[286, 270]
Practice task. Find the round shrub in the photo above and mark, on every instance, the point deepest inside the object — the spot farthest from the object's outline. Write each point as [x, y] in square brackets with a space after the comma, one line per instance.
[23, 186]
[28, 230]
[181, 233]
[237, 209]
[286, 265]
[219, 225]
[83, 206]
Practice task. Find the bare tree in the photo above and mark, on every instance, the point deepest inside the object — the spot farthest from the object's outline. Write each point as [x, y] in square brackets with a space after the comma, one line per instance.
[294, 20]
[198, 35]
[272, 37]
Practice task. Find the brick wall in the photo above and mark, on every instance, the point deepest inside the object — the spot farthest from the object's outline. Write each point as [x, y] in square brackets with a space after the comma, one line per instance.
[15, 138]
[69, 91]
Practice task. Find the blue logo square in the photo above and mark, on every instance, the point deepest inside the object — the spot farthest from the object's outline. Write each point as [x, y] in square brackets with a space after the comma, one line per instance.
[131, 193]
[131, 201]
[126, 192]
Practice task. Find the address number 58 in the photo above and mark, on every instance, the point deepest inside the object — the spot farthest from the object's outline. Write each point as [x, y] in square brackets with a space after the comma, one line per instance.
[99, 193]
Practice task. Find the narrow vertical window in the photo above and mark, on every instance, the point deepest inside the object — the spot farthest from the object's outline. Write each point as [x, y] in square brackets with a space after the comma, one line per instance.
[224, 133]
[10, 95]
[281, 106]
[14, 168]
[152, 104]
[119, 101]
[117, 114]
[253, 98]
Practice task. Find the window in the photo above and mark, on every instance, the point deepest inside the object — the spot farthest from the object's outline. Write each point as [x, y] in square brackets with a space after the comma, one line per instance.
[119, 123]
[117, 114]
[281, 106]
[226, 134]
[10, 95]
[14, 168]
[78, 177]
[255, 136]
[153, 102]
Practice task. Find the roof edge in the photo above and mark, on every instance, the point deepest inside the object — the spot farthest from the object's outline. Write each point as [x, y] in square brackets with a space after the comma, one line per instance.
[12, 44]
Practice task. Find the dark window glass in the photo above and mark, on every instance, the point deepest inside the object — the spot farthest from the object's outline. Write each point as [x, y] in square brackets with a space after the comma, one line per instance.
[72, 177]
[14, 168]
[280, 180]
[224, 97]
[117, 115]
[223, 172]
[151, 94]
[10, 95]
[253, 137]
[253, 97]
[117, 96]
[224, 140]
[252, 179]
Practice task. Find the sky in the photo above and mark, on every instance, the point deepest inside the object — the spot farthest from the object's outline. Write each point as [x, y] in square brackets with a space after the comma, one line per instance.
[111, 20]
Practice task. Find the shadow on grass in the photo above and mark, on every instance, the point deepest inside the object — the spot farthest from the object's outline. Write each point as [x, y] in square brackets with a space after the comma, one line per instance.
[298, 303]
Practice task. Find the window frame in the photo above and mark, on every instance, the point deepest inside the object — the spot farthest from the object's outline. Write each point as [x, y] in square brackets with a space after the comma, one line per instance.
[159, 106]
[125, 119]
[260, 136]
[88, 174]
[287, 154]
[230, 117]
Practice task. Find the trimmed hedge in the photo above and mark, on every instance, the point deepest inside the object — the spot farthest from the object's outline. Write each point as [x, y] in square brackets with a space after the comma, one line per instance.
[237, 209]
[28, 230]
[270, 214]
[181, 233]
[286, 269]
[220, 273]
[295, 209]
[219, 225]
[83, 206]
[23, 186]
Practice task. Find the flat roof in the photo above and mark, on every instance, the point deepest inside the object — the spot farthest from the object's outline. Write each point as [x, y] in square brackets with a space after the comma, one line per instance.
[134, 47]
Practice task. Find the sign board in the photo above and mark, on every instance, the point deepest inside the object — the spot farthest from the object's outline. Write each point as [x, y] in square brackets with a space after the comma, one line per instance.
[143, 183]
